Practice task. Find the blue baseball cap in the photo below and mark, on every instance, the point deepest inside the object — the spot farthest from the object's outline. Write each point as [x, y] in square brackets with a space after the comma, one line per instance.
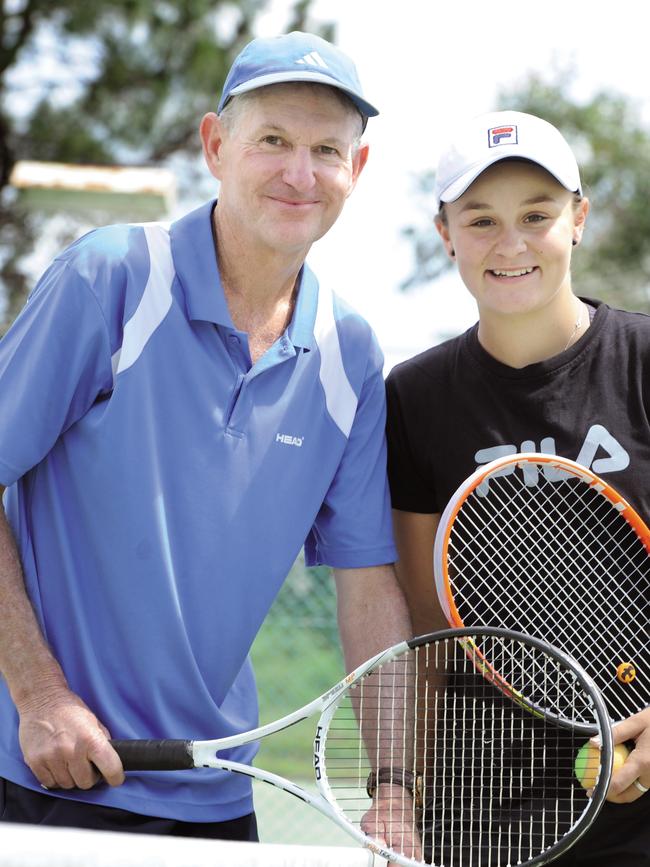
[294, 57]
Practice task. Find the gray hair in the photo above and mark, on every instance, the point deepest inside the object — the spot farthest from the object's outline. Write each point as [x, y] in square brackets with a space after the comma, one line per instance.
[236, 105]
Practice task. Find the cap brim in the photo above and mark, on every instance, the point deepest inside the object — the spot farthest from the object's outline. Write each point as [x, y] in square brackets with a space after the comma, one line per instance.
[456, 189]
[318, 77]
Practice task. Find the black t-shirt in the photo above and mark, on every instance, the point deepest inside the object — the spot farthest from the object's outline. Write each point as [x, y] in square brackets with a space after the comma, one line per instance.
[455, 407]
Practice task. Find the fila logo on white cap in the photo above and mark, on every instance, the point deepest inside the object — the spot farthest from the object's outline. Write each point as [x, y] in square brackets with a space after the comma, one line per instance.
[313, 59]
[501, 135]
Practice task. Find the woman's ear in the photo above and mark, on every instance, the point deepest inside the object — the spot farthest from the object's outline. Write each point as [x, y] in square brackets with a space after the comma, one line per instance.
[580, 219]
[443, 231]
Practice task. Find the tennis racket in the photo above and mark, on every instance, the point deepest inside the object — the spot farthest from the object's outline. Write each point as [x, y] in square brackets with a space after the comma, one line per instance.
[424, 717]
[539, 543]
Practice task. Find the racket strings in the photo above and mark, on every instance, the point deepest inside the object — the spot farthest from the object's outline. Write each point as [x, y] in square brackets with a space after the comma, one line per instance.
[557, 560]
[512, 504]
[497, 781]
[548, 624]
[588, 518]
[507, 563]
[474, 541]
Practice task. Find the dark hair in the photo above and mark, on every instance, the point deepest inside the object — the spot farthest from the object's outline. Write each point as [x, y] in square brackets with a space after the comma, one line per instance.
[577, 197]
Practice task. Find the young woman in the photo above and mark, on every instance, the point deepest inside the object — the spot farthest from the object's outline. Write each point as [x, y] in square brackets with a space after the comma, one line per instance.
[542, 370]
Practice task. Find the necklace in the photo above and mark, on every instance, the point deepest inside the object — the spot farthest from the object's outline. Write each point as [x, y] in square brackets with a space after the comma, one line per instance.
[576, 326]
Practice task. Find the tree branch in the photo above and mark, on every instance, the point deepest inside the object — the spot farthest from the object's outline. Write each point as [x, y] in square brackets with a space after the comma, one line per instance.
[27, 18]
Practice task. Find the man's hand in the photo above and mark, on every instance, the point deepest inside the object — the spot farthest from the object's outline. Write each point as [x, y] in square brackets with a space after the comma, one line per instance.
[637, 765]
[65, 745]
[393, 821]
[62, 741]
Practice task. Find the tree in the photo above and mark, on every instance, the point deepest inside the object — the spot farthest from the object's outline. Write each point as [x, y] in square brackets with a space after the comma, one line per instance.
[112, 83]
[613, 149]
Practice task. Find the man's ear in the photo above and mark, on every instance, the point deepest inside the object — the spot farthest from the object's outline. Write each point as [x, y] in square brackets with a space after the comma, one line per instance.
[212, 134]
[359, 160]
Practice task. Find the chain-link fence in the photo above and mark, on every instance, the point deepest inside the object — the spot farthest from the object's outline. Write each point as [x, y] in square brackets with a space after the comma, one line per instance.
[296, 656]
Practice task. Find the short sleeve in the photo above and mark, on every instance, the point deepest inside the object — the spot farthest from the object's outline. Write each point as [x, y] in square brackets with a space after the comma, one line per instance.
[353, 528]
[54, 362]
[409, 487]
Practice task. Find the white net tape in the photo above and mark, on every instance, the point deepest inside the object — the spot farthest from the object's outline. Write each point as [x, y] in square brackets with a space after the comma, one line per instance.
[34, 846]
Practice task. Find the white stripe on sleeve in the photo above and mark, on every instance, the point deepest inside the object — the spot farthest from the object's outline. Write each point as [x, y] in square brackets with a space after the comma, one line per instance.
[155, 302]
[339, 395]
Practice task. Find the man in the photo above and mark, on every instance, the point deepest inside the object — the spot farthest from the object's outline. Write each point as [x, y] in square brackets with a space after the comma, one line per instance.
[183, 407]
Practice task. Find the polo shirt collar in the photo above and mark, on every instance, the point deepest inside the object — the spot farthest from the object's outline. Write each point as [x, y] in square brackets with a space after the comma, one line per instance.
[301, 327]
[195, 262]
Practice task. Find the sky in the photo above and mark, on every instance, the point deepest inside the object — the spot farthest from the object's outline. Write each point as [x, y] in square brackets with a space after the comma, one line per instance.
[427, 65]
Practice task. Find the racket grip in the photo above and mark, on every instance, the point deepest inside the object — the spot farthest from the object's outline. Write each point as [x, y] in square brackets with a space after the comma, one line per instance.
[154, 755]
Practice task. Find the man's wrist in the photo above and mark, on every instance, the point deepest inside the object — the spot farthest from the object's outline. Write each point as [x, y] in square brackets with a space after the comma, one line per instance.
[397, 777]
[32, 693]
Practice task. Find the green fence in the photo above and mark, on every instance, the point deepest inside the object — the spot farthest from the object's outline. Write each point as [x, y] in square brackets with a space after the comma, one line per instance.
[296, 656]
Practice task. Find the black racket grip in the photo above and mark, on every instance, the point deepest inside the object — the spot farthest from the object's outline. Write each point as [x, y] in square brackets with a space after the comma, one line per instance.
[154, 755]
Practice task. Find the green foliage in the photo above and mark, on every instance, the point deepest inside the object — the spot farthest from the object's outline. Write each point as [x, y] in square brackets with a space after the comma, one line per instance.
[296, 656]
[612, 145]
[113, 83]
[613, 148]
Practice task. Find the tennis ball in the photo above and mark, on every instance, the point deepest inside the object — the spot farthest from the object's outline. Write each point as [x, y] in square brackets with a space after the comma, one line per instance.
[587, 762]
[626, 672]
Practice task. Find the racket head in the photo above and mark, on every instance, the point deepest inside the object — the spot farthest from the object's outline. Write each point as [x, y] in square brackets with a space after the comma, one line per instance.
[497, 781]
[511, 545]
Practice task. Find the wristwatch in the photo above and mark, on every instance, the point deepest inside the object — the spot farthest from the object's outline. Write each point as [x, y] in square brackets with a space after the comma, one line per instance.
[397, 777]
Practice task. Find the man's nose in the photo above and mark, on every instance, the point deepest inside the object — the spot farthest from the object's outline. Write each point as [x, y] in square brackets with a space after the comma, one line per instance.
[299, 168]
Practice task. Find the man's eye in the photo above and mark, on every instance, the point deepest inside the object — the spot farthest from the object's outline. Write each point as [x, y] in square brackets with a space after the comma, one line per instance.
[272, 139]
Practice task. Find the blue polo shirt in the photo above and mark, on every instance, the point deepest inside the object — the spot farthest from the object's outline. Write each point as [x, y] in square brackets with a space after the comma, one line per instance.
[160, 488]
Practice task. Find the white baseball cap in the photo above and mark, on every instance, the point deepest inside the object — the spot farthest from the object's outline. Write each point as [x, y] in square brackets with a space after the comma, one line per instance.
[501, 135]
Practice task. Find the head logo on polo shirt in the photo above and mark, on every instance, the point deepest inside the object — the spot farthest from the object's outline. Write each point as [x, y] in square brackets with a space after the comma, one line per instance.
[289, 440]
[500, 135]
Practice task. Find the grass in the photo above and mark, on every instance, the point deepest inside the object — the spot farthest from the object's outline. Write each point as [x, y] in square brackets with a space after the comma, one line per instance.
[296, 657]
